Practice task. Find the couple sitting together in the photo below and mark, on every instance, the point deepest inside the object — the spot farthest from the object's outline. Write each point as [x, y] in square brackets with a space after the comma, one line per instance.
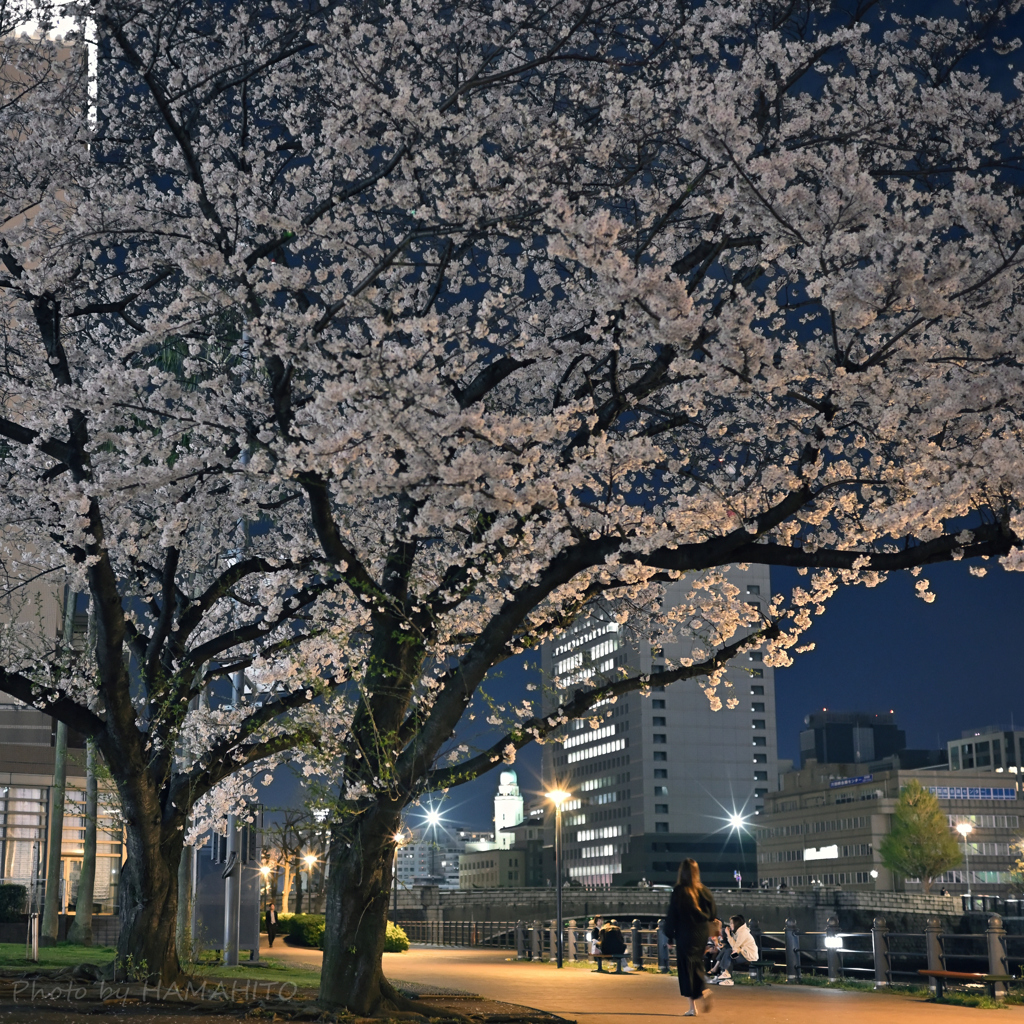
[733, 947]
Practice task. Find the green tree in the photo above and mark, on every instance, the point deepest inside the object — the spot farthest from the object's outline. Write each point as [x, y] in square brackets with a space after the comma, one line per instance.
[1017, 866]
[920, 843]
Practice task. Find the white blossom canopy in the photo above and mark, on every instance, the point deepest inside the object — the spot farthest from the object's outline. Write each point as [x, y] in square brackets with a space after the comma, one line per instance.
[361, 345]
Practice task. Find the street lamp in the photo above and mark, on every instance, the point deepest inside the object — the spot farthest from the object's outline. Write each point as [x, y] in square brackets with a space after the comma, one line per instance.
[558, 797]
[400, 839]
[965, 828]
[310, 861]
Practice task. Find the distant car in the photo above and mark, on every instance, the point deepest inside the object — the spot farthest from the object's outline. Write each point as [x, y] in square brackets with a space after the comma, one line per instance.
[661, 888]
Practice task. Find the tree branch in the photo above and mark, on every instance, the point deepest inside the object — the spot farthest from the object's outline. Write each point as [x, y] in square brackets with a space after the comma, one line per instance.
[541, 726]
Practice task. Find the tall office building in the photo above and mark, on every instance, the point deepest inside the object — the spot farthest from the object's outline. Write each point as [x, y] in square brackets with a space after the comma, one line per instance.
[850, 737]
[665, 777]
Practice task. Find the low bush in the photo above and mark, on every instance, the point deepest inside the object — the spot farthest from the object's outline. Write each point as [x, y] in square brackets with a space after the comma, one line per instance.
[309, 930]
[305, 928]
[396, 941]
[12, 902]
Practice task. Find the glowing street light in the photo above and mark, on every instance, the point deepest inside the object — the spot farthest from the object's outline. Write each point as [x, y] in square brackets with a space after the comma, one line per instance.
[400, 838]
[558, 797]
[965, 828]
[737, 820]
[433, 817]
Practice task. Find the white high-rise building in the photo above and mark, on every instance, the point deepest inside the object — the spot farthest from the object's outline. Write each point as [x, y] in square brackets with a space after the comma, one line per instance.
[664, 774]
[508, 808]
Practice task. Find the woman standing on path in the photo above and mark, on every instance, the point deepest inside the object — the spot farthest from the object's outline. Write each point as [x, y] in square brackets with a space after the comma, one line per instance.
[687, 921]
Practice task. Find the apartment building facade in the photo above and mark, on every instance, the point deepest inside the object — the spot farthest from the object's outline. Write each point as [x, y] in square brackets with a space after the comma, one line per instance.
[664, 777]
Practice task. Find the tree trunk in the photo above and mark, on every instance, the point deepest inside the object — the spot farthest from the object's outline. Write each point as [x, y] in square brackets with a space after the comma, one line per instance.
[183, 934]
[358, 890]
[81, 930]
[148, 897]
[51, 904]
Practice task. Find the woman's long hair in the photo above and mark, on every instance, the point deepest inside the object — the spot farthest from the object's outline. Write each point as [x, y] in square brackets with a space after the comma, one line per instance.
[688, 881]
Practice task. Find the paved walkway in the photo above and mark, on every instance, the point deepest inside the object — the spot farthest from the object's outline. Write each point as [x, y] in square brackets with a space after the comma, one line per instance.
[635, 998]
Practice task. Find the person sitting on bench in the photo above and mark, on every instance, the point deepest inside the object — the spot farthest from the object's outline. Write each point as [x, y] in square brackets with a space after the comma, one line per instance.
[612, 942]
[738, 951]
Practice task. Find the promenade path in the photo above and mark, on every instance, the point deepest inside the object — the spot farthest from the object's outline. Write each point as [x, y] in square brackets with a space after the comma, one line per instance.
[636, 998]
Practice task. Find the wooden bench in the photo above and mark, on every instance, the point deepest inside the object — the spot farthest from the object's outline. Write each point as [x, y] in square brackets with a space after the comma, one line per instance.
[988, 980]
[757, 969]
[601, 957]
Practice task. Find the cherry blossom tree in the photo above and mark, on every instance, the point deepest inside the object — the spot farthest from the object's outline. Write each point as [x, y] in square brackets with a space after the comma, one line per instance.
[358, 348]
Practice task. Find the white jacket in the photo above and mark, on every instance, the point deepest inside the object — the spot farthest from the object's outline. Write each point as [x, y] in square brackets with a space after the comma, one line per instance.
[742, 942]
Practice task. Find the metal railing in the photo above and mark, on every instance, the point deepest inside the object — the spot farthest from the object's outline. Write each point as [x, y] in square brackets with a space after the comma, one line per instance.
[878, 956]
[496, 934]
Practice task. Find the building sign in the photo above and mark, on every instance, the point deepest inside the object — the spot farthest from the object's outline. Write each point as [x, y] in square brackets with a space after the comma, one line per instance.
[822, 853]
[972, 793]
[836, 783]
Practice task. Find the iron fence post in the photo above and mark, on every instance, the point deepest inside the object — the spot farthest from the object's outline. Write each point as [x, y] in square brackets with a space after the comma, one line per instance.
[638, 949]
[662, 948]
[835, 965]
[933, 948]
[535, 941]
[520, 945]
[571, 940]
[880, 949]
[995, 936]
[792, 951]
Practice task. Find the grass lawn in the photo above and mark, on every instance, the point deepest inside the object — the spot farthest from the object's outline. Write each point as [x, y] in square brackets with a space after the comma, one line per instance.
[12, 954]
[269, 970]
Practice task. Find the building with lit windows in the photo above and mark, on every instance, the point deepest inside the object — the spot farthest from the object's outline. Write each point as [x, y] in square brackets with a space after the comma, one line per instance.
[664, 777]
[825, 824]
[991, 749]
[26, 792]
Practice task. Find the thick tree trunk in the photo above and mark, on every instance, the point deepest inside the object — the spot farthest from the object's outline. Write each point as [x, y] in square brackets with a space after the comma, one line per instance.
[358, 889]
[183, 933]
[148, 900]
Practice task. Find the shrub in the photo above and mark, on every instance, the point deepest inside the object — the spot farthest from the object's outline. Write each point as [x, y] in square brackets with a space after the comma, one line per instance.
[12, 902]
[396, 941]
[305, 928]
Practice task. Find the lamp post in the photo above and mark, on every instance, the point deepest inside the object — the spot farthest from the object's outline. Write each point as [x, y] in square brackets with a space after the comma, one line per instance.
[965, 828]
[400, 841]
[558, 797]
[310, 861]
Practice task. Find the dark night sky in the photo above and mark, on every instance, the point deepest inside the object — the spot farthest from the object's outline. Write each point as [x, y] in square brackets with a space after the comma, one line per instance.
[942, 667]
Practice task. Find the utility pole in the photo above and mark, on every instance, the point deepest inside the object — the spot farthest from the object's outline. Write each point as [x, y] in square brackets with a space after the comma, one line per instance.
[51, 901]
[233, 861]
[81, 930]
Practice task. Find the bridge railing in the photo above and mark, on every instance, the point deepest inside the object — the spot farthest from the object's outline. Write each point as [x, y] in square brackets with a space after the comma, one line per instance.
[879, 956]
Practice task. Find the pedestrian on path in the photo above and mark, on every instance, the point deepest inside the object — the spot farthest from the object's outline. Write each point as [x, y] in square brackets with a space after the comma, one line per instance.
[688, 921]
[271, 924]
